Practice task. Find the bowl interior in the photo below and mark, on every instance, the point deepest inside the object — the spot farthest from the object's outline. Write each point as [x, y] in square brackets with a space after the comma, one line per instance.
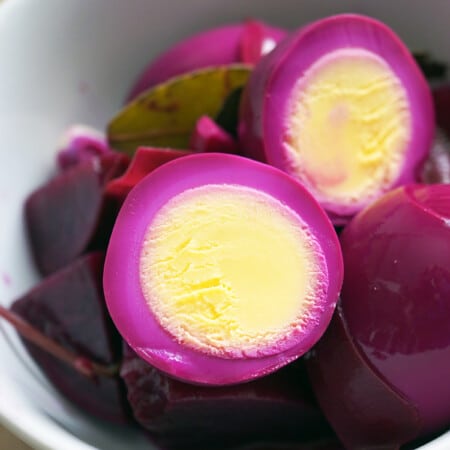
[73, 62]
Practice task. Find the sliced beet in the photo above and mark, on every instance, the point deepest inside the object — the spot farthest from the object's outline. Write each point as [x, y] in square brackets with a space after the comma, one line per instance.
[69, 213]
[112, 165]
[81, 143]
[145, 160]
[69, 308]
[276, 409]
[209, 137]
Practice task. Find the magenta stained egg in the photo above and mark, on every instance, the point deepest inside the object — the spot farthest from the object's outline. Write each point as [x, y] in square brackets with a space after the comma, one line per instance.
[243, 43]
[221, 269]
[342, 106]
[388, 346]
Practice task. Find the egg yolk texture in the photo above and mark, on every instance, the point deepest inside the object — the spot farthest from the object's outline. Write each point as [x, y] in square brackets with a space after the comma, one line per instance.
[231, 271]
[349, 126]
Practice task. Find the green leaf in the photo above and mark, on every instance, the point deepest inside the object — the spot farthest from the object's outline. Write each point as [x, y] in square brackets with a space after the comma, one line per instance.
[165, 115]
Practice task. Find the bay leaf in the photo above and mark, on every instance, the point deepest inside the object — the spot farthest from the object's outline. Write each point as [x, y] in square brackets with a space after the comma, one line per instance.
[165, 115]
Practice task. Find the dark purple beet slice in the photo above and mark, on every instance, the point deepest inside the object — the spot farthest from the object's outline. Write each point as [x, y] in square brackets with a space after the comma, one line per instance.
[144, 161]
[69, 307]
[69, 214]
[277, 410]
[209, 137]
[365, 411]
[112, 166]
[81, 143]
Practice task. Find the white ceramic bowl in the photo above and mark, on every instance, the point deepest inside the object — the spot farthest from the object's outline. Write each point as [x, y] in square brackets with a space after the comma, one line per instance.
[65, 62]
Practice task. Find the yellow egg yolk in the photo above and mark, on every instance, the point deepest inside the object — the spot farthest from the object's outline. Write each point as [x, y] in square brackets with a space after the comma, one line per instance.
[349, 126]
[230, 271]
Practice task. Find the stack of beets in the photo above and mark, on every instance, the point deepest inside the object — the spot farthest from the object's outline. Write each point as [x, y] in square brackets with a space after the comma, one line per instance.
[341, 113]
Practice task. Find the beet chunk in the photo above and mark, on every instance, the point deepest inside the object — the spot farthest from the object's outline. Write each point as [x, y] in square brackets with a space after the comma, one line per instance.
[69, 214]
[209, 137]
[69, 308]
[144, 161]
[278, 409]
[81, 143]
